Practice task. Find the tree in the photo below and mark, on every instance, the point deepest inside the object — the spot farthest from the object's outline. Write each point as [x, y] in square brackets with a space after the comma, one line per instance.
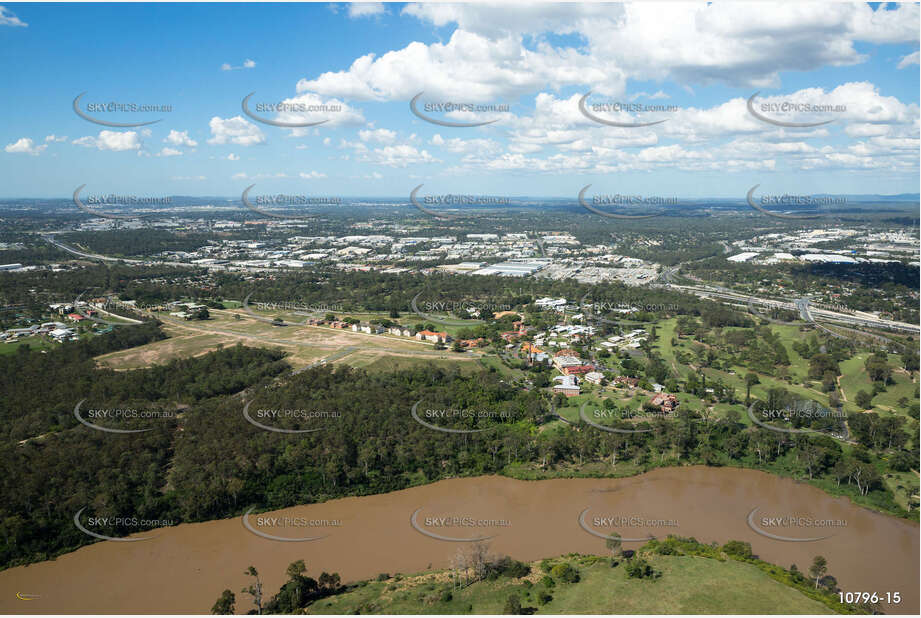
[864, 400]
[295, 573]
[910, 361]
[225, 604]
[818, 569]
[299, 590]
[877, 368]
[614, 544]
[750, 380]
[329, 582]
[512, 605]
[479, 558]
[254, 589]
[812, 456]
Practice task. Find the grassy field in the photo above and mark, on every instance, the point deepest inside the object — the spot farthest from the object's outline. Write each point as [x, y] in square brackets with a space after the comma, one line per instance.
[854, 378]
[181, 346]
[689, 585]
[383, 362]
[666, 331]
[798, 368]
[36, 343]
[304, 344]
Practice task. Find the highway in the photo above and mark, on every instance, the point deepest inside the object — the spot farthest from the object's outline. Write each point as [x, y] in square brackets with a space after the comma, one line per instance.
[800, 305]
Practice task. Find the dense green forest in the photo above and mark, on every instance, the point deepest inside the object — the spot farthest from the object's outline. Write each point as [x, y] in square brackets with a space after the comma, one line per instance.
[354, 291]
[146, 241]
[206, 461]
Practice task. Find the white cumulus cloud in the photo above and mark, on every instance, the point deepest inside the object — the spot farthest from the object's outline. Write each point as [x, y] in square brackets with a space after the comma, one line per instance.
[498, 51]
[247, 64]
[366, 9]
[910, 59]
[25, 145]
[111, 140]
[236, 130]
[180, 138]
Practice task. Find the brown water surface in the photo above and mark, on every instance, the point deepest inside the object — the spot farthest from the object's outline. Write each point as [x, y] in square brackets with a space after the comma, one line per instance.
[183, 569]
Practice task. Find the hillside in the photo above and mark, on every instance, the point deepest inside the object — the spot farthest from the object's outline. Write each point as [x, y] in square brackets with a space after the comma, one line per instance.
[686, 584]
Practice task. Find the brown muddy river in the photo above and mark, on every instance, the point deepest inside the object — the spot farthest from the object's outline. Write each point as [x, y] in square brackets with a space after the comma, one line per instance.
[183, 569]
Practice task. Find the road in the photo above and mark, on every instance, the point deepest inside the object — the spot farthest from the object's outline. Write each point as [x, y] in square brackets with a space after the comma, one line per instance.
[800, 305]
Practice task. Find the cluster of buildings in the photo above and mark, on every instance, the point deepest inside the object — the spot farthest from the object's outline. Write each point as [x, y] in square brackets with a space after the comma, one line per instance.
[595, 265]
[394, 247]
[56, 331]
[377, 329]
[184, 310]
[546, 349]
[521, 251]
[71, 313]
[806, 246]
[628, 341]
[511, 268]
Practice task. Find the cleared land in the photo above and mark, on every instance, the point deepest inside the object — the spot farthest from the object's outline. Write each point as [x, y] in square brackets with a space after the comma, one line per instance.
[304, 344]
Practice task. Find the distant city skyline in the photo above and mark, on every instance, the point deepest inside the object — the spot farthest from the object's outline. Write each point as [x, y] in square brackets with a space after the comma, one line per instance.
[699, 65]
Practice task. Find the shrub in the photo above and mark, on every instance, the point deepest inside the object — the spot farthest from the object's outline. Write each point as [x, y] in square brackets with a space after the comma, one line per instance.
[640, 569]
[565, 573]
[512, 605]
[508, 567]
[738, 549]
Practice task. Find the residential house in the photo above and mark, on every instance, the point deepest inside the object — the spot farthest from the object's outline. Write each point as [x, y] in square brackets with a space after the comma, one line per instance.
[471, 343]
[665, 402]
[434, 337]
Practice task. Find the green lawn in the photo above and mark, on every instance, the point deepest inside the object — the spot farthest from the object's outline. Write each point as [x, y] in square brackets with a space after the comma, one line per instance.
[665, 330]
[689, 585]
[854, 378]
[36, 343]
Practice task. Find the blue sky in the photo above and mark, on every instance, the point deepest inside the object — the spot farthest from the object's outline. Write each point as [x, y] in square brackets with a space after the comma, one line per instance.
[539, 59]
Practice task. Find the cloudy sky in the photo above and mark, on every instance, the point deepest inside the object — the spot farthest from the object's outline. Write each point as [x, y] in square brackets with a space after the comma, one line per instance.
[365, 62]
